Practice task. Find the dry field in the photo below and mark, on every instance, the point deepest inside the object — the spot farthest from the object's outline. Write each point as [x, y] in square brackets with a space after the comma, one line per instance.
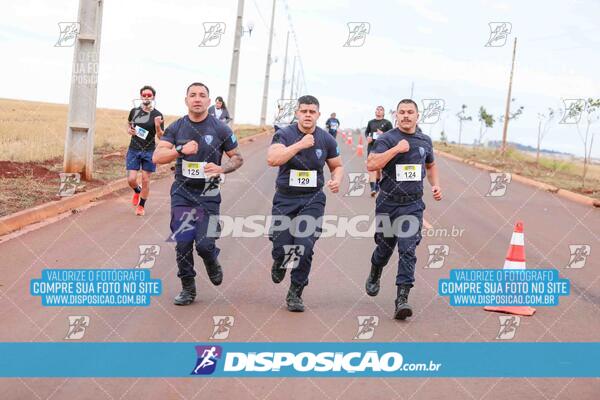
[32, 146]
[564, 174]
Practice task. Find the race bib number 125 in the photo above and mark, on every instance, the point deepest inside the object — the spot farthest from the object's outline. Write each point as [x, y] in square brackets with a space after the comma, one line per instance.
[192, 169]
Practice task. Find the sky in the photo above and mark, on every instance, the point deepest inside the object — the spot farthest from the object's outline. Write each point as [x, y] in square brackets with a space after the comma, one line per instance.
[435, 47]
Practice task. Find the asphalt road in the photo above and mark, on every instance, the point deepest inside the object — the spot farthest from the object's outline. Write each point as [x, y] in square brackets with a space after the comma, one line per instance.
[108, 235]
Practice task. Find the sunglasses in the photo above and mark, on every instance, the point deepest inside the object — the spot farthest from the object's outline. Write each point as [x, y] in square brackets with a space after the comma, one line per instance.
[147, 95]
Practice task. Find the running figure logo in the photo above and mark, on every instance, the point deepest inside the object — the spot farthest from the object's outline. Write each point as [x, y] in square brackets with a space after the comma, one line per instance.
[68, 34]
[222, 326]
[432, 109]
[508, 327]
[68, 184]
[183, 224]
[138, 118]
[579, 254]
[293, 252]
[366, 326]
[212, 34]
[212, 185]
[358, 181]
[499, 32]
[437, 255]
[499, 184]
[77, 326]
[572, 111]
[357, 33]
[148, 253]
[285, 111]
[207, 359]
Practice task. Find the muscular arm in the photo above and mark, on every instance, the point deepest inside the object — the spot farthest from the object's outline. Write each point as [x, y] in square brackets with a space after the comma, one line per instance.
[377, 161]
[337, 173]
[432, 174]
[235, 161]
[336, 169]
[279, 154]
[164, 153]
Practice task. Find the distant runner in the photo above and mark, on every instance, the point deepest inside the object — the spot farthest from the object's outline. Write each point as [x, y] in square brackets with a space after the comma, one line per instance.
[144, 124]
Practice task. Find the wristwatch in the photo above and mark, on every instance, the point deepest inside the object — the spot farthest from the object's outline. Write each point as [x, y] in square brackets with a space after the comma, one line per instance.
[179, 149]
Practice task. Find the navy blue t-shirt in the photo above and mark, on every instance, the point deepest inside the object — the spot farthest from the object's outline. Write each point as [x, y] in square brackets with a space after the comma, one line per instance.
[332, 125]
[313, 158]
[420, 153]
[213, 137]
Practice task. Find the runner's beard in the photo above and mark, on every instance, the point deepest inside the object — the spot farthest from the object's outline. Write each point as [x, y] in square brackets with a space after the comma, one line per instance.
[148, 104]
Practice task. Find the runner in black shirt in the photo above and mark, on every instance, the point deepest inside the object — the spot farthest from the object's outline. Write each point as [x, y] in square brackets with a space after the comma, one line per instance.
[376, 127]
[144, 124]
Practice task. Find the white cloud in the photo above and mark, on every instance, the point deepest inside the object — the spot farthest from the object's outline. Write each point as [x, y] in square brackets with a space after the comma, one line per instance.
[426, 10]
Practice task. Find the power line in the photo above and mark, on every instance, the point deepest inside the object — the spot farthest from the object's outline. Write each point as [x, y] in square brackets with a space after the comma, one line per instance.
[260, 15]
[293, 31]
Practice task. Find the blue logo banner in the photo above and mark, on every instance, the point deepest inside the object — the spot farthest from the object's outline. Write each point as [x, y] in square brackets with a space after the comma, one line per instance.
[268, 360]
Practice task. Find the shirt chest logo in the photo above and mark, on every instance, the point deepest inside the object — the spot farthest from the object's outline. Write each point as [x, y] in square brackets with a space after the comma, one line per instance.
[319, 153]
[208, 139]
[421, 151]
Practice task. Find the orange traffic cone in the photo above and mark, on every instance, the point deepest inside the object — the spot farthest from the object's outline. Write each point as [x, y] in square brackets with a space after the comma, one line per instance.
[359, 148]
[349, 139]
[343, 135]
[515, 259]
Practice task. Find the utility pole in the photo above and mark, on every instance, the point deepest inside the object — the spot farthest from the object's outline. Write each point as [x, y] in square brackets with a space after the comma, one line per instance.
[293, 79]
[508, 97]
[235, 60]
[412, 89]
[81, 123]
[263, 112]
[287, 40]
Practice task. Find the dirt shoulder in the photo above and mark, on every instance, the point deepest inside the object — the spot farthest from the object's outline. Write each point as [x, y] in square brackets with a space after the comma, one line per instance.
[27, 184]
[563, 174]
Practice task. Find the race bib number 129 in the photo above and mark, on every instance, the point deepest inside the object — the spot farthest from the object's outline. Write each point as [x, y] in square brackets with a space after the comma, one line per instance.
[303, 178]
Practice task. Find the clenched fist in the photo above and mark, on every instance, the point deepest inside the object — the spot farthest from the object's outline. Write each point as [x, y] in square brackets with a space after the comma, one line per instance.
[402, 146]
[334, 186]
[190, 148]
[437, 192]
[307, 141]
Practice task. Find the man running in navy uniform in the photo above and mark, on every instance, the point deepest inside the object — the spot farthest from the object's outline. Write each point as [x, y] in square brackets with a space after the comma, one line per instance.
[198, 142]
[332, 125]
[300, 150]
[376, 127]
[405, 156]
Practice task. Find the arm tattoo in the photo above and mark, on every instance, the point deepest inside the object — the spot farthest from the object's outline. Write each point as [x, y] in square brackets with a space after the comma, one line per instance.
[234, 162]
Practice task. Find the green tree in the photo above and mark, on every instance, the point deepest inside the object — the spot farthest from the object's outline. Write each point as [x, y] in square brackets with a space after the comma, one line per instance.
[544, 120]
[443, 137]
[590, 111]
[486, 121]
[462, 117]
